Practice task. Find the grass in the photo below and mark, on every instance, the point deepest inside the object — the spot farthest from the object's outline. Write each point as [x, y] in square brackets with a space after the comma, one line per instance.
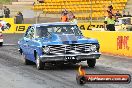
[4, 1]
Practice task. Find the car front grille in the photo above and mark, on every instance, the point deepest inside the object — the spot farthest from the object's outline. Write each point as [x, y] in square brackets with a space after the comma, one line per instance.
[64, 49]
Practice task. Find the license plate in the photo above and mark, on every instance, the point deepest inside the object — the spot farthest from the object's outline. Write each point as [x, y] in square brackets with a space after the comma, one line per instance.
[70, 58]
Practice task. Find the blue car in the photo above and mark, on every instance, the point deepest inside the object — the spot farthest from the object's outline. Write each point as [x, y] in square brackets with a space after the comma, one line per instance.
[57, 42]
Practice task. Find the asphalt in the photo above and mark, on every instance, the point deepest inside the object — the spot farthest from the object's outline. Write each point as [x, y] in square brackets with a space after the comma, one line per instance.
[14, 74]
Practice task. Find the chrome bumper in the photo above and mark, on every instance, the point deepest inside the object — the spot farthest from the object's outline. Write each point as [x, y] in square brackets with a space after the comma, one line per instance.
[62, 57]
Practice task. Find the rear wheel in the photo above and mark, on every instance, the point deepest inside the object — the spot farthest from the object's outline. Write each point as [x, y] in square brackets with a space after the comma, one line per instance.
[25, 61]
[91, 62]
[1, 43]
[39, 64]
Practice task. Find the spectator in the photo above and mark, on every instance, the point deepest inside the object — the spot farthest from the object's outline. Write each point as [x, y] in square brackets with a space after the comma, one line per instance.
[110, 22]
[70, 15]
[64, 17]
[110, 10]
[1, 13]
[128, 14]
[6, 12]
[40, 1]
[74, 20]
[19, 18]
[118, 14]
[21, 15]
[64, 11]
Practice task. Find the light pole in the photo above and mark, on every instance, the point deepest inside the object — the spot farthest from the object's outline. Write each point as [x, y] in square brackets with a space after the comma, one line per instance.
[91, 12]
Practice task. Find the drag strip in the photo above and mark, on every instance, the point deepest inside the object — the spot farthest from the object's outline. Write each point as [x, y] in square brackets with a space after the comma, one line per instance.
[11, 39]
[14, 74]
[52, 76]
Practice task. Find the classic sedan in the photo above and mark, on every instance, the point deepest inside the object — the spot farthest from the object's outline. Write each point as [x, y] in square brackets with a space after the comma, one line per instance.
[57, 42]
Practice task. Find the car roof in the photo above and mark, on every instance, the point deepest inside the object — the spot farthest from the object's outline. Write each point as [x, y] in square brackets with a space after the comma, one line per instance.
[54, 23]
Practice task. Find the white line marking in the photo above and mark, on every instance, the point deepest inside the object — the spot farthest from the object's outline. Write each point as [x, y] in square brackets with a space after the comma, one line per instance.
[9, 44]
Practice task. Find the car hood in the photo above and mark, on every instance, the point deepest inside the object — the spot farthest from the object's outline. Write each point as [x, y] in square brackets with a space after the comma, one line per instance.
[59, 39]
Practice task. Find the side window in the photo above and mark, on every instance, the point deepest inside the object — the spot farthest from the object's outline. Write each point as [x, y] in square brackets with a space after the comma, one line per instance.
[27, 31]
[30, 33]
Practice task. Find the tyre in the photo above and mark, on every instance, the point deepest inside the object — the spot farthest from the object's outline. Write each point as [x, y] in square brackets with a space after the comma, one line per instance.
[39, 64]
[91, 62]
[1, 43]
[25, 61]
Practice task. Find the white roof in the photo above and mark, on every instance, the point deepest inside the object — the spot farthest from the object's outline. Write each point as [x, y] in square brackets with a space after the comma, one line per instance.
[54, 23]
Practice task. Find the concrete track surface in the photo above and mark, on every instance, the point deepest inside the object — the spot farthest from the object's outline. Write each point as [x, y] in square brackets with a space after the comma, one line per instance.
[14, 74]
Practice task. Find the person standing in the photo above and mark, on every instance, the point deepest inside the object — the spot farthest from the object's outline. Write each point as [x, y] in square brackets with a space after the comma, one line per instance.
[40, 1]
[19, 18]
[70, 15]
[64, 17]
[110, 22]
[20, 13]
[65, 11]
[1, 13]
[110, 10]
[6, 12]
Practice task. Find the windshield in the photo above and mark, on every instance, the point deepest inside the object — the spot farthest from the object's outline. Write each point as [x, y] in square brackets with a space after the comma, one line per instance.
[45, 31]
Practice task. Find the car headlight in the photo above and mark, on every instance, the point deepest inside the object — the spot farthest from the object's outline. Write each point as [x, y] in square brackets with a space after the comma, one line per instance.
[93, 47]
[46, 49]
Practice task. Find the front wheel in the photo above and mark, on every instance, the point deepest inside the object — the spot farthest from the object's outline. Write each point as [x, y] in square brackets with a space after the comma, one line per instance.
[39, 64]
[91, 62]
[25, 61]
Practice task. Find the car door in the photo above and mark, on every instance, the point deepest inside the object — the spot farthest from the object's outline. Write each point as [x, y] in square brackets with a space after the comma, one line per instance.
[28, 42]
[23, 42]
[31, 44]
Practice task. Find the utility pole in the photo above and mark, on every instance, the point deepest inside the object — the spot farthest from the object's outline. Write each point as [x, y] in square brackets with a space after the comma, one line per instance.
[91, 11]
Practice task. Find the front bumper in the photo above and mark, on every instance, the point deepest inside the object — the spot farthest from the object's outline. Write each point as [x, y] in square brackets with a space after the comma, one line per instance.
[64, 57]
